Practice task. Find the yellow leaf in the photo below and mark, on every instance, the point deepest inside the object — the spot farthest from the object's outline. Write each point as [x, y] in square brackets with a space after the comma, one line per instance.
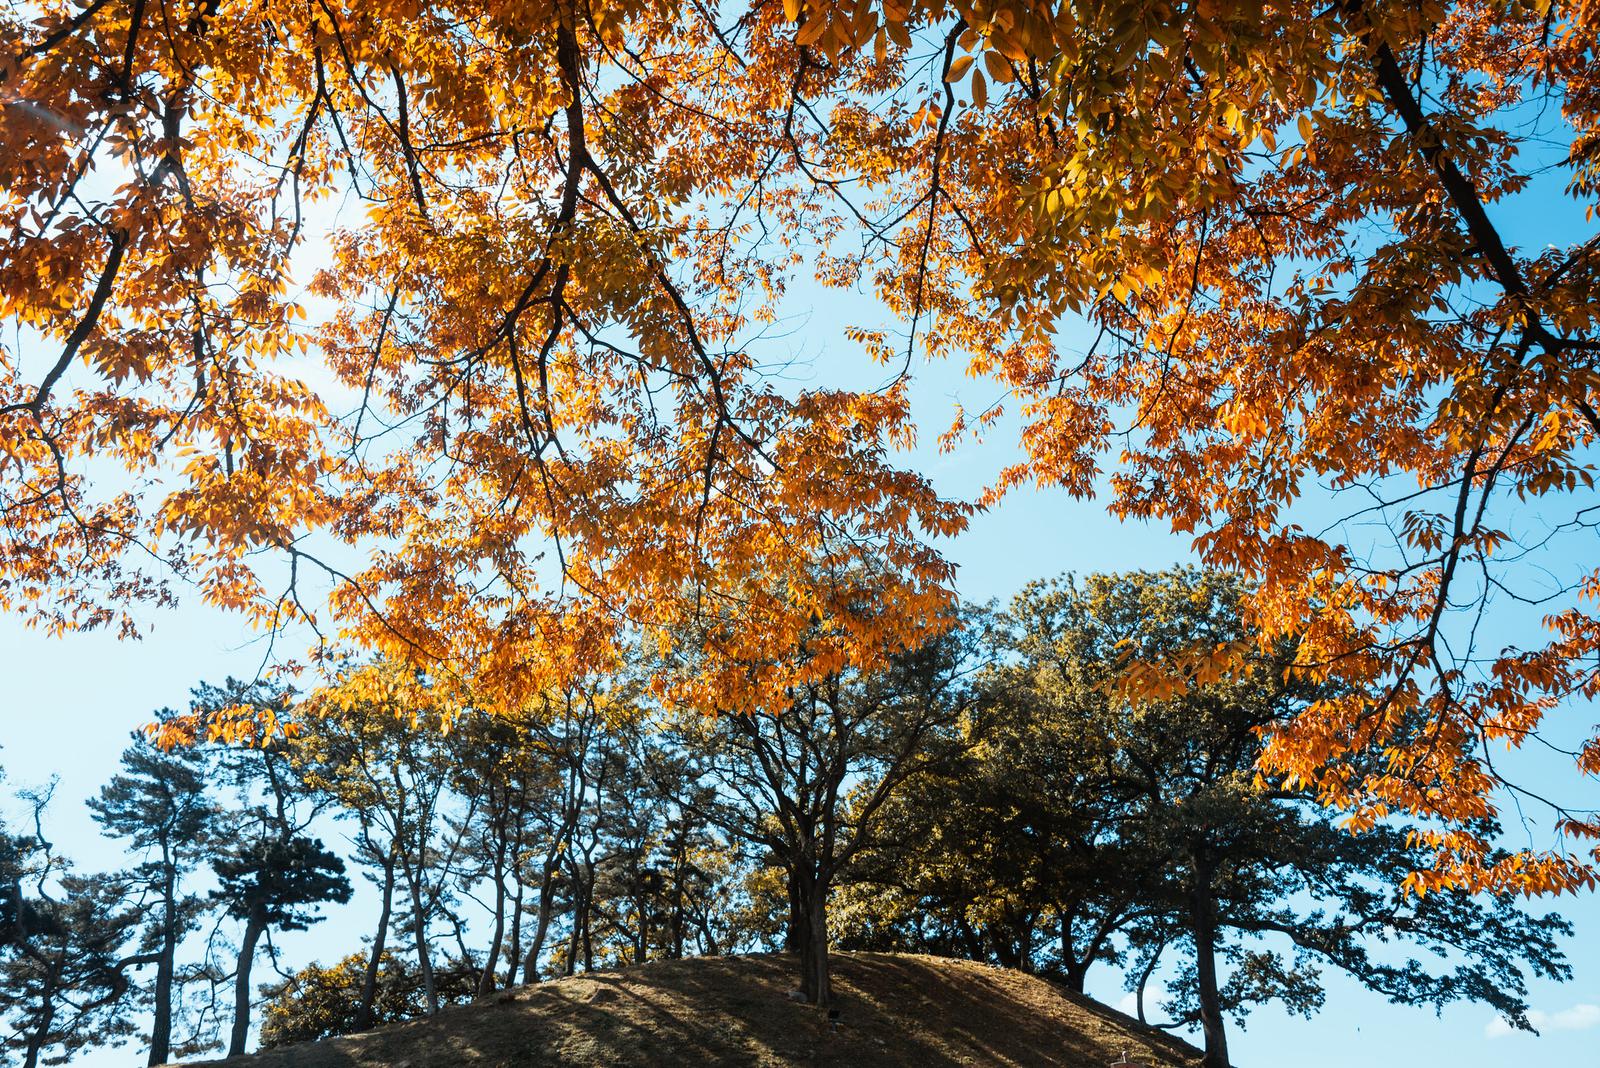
[958, 67]
[998, 68]
[811, 31]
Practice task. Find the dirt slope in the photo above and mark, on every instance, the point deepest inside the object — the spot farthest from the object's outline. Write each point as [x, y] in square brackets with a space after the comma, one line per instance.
[894, 1010]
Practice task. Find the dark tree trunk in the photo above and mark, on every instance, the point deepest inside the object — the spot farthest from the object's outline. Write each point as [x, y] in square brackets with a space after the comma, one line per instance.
[808, 932]
[419, 935]
[1013, 944]
[541, 927]
[641, 947]
[1074, 970]
[1144, 978]
[680, 865]
[815, 983]
[241, 983]
[795, 936]
[486, 979]
[369, 981]
[514, 950]
[575, 936]
[166, 966]
[47, 1015]
[1203, 927]
[588, 932]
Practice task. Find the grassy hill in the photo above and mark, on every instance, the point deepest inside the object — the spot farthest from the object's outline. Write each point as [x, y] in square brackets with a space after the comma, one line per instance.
[894, 1010]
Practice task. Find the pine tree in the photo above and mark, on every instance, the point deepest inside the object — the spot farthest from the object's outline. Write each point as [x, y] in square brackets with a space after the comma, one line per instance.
[161, 803]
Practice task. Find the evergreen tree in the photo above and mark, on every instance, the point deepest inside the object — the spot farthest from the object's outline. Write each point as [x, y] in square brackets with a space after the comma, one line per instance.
[273, 874]
[64, 983]
[161, 804]
[270, 882]
[63, 951]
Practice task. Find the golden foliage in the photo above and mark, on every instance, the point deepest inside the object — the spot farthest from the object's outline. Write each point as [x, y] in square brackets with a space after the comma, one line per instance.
[539, 403]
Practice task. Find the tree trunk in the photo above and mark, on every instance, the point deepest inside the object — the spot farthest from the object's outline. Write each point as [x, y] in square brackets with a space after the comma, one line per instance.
[588, 930]
[369, 982]
[795, 937]
[419, 934]
[47, 1015]
[166, 966]
[486, 979]
[514, 950]
[1203, 927]
[241, 983]
[641, 946]
[1073, 970]
[814, 980]
[541, 929]
[680, 865]
[1144, 978]
[571, 967]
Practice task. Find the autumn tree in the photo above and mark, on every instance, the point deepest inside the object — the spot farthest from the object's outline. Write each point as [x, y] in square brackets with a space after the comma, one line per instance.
[1248, 877]
[807, 777]
[322, 1002]
[161, 803]
[1248, 263]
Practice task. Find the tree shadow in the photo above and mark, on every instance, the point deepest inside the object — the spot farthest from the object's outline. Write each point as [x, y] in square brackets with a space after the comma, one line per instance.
[894, 1011]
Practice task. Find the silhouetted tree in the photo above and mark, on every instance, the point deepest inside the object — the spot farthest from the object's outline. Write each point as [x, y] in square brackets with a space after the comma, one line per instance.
[273, 883]
[160, 803]
[64, 956]
[809, 779]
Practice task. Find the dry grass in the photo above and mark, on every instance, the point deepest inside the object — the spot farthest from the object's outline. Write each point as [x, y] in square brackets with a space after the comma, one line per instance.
[894, 1010]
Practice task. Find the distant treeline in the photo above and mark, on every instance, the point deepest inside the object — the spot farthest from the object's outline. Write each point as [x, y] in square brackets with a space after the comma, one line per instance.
[990, 795]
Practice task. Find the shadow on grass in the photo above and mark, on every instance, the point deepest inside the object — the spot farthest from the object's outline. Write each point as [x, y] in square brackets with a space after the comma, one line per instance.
[894, 1011]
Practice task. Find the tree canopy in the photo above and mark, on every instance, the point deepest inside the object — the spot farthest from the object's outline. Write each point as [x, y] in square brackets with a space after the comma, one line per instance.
[534, 403]
[993, 794]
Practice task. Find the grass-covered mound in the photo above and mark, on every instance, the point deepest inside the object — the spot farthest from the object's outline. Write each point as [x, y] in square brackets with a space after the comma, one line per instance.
[893, 1009]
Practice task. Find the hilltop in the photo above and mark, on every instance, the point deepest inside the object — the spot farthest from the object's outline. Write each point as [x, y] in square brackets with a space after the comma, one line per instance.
[894, 1010]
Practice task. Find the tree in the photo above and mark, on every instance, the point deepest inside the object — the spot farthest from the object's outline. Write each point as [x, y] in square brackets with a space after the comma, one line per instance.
[1007, 852]
[64, 986]
[273, 882]
[508, 778]
[1248, 871]
[321, 1002]
[1196, 184]
[63, 951]
[161, 803]
[569, 725]
[807, 778]
[272, 874]
[374, 741]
